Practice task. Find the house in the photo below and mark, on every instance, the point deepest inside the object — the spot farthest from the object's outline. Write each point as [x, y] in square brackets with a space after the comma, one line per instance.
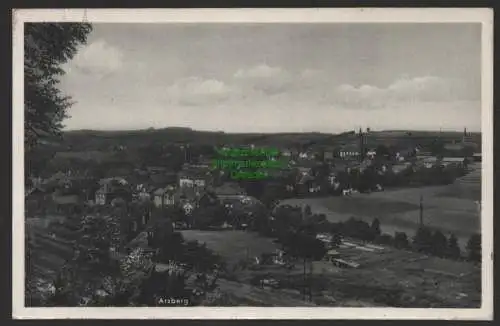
[143, 192]
[339, 166]
[454, 147]
[423, 157]
[331, 255]
[36, 199]
[350, 151]
[165, 197]
[405, 153]
[306, 155]
[303, 170]
[454, 161]
[162, 179]
[314, 187]
[66, 203]
[108, 192]
[203, 164]
[118, 201]
[156, 169]
[430, 162]
[194, 178]
[371, 154]
[108, 183]
[304, 183]
[191, 198]
[232, 201]
[400, 167]
[328, 155]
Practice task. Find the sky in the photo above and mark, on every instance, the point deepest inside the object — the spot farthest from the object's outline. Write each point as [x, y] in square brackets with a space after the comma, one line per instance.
[277, 77]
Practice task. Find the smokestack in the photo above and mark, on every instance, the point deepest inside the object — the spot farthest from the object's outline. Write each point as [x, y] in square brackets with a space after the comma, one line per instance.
[361, 145]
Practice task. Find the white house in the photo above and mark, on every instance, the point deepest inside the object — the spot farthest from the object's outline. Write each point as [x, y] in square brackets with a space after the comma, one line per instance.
[100, 197]
[346, 154]
[164, 197]
[430, 162]
[193, 179]
[371, 153]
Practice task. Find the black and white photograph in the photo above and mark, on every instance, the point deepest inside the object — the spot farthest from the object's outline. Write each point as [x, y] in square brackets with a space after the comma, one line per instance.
[245, 159]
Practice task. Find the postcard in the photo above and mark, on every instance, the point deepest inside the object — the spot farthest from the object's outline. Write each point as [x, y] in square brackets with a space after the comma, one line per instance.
[253, 164]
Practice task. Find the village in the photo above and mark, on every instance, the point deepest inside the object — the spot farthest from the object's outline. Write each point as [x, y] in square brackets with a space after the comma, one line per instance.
[201, 201]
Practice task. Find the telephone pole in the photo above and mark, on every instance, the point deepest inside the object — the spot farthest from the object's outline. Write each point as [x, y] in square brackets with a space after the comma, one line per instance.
[421, 220]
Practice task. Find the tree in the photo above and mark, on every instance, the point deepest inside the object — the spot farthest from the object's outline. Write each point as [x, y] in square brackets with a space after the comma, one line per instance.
[382, 151]
[439, 244]
[375, 228]
[213, 215]
[401, 240]
[47, 46]
[474, 248]
[357, 229]
[92, 268]
[423, 240]
[386, 239]
[453, 248]
[307, 211]
[304, 245]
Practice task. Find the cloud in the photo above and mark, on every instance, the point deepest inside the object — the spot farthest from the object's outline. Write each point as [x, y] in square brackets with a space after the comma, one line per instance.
[97, 58]
[265, 79]
[260, 71]
[194, 91]
[404, 90]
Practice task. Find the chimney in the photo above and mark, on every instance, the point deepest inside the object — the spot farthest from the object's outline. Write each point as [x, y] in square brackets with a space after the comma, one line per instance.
[361, 145]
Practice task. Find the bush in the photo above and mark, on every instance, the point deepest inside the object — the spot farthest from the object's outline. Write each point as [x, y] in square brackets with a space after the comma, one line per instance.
[401, 240]
[384, 239]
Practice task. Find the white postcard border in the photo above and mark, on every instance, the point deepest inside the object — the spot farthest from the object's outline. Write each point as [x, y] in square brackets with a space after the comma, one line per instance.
[367, 15]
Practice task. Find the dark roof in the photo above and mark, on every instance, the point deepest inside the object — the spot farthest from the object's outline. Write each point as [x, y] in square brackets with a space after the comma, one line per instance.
[194, 173]
[161, 191]
[305, 178]
[229, 188]
[457, 146]
[190, 193]
[163, 178]
[66, 199]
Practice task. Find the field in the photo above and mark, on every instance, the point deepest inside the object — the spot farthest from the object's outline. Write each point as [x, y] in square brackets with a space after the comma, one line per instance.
[450, 208]
[232, 245]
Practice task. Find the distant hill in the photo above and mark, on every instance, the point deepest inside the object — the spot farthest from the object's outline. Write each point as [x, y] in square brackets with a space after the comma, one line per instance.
[102, 140]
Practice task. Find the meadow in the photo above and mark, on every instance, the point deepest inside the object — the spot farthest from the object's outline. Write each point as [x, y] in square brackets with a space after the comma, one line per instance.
[232, 245]
[450, 208]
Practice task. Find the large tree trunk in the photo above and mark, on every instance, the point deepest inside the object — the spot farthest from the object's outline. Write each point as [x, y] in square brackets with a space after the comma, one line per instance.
[310, 279]
[304, 285]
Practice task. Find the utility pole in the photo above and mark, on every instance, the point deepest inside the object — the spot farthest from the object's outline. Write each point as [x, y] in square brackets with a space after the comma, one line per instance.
[421, 221]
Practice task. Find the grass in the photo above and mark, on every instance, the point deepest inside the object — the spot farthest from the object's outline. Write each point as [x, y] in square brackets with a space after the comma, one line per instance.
[383, 278]
[447, 208]
[85, 155]
[232, 245]
[398, 278]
